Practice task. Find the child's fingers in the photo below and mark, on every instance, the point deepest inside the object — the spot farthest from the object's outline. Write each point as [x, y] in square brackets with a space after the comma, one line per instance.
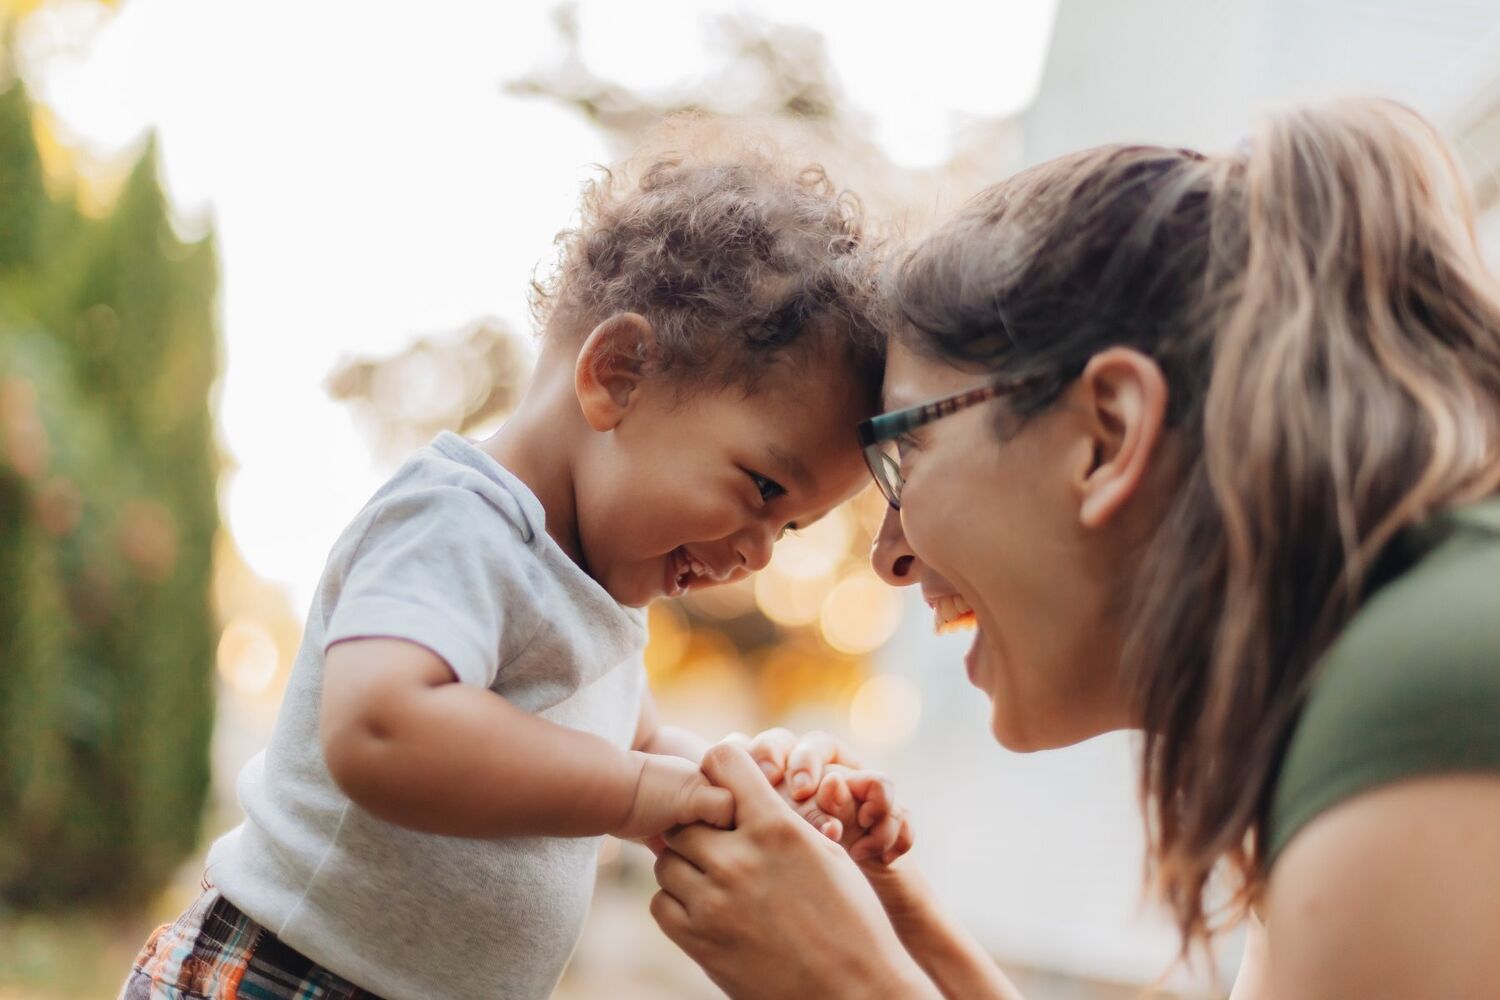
[881, 839]
[835, 799]
[875, 794]
[770, 750]
[903, 841]
[805, 763]
[829, 826]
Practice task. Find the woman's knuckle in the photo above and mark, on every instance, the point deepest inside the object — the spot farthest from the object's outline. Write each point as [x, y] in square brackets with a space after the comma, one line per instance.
[780, 833]
[719, 755]
[733, 872]
[662, 910]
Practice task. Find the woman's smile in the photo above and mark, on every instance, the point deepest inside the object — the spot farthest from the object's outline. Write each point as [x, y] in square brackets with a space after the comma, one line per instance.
[951, 613]
[971, 659]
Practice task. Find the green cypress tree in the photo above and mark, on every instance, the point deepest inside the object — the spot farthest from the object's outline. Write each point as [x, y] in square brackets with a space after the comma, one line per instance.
[22, 196]
[108, 352]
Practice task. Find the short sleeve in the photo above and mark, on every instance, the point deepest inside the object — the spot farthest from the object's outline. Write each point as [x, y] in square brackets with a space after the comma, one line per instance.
[1411, 689]
[439, 567]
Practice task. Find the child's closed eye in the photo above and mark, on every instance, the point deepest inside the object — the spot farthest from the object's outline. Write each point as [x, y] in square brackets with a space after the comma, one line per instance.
[769, 489]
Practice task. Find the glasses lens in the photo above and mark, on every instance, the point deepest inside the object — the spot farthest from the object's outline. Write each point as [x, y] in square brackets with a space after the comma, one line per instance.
[885, 466]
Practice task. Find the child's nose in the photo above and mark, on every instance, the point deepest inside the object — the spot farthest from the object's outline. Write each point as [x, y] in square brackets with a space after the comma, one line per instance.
[753, 546]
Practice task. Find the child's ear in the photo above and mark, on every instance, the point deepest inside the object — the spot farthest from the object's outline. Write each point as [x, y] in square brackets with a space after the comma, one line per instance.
[609, 369]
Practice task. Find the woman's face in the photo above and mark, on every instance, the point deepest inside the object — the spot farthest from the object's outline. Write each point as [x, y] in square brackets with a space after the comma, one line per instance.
[1001, 526]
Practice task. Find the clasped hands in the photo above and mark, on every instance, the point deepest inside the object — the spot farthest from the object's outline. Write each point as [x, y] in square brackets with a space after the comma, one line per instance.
[818, 779]
[781, 900]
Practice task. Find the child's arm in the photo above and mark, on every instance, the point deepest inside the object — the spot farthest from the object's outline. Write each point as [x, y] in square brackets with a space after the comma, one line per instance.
[411, 746]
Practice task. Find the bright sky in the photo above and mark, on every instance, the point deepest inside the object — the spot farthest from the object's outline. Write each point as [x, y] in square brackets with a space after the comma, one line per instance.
[369, 181]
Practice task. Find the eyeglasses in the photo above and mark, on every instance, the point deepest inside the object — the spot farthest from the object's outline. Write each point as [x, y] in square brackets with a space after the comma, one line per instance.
[878, 435]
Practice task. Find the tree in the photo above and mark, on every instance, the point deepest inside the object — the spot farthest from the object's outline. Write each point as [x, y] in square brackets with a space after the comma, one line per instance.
[108, 512]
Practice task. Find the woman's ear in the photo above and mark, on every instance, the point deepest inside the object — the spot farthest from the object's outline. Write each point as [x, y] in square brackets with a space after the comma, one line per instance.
[608, 373]
[1124, 397]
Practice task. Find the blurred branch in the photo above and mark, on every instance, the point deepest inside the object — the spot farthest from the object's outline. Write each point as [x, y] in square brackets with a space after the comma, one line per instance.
[782, 72]
[768, 69]
[455, 381]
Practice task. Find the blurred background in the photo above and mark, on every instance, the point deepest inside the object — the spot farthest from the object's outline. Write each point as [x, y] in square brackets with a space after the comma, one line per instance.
[253, 254]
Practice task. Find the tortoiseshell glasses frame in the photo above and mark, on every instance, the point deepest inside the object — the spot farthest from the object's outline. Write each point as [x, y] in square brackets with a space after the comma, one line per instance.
[879, 435]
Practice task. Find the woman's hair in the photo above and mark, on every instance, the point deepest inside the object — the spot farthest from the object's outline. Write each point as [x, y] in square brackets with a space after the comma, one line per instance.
[1331, 342]
[738, 260]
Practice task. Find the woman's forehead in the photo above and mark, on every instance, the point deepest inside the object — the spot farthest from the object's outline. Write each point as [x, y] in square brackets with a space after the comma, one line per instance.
[912, 378]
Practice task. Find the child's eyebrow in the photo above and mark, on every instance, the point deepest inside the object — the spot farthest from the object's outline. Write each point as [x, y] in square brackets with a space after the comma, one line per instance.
[791, 466]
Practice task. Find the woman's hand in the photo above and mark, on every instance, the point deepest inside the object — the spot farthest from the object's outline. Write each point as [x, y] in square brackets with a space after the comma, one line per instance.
[822, 780]
[773, 909]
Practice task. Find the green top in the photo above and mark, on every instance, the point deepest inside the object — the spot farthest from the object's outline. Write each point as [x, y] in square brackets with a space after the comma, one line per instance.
[1412, 686]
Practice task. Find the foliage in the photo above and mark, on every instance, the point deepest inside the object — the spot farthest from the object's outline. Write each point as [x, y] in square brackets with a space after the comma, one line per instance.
[108, 511]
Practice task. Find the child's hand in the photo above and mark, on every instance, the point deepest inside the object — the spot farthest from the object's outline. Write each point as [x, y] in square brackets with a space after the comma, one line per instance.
[797, 761]
[671, 791]
[875, 829]
[818, 776]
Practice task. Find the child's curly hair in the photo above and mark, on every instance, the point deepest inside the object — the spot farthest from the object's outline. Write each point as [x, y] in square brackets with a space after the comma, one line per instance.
[738, 262]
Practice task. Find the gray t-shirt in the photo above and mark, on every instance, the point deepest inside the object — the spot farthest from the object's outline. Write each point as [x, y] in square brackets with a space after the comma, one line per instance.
[452, 554]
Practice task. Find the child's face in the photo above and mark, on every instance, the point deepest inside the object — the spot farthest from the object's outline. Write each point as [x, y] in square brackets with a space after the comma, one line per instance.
[688, 493]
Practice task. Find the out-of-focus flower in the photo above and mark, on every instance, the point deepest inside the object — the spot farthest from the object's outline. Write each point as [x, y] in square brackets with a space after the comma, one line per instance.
[23, 438]
[148, 539]
[58, 505]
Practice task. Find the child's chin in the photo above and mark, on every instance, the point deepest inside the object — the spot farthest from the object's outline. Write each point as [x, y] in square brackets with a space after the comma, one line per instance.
[635, 595]
[633, 599]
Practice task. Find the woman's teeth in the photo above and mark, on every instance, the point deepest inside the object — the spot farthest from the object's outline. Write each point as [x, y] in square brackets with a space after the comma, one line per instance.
[952, 614]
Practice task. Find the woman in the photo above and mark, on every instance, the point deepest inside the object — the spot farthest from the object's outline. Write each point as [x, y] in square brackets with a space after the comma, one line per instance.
[1216, 456]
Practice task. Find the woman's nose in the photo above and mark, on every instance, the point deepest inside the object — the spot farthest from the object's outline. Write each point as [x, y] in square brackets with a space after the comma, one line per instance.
[893, 559]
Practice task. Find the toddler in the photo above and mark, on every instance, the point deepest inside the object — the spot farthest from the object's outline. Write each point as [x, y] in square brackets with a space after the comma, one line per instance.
[467, 713]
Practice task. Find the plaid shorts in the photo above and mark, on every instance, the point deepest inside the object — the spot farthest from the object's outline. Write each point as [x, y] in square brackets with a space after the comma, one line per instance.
[215, 952]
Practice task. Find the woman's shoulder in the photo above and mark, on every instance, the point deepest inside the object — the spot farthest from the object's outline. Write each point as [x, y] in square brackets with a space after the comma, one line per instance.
[1411, 687]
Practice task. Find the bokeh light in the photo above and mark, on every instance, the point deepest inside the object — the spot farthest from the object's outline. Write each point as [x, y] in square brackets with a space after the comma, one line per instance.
[789, 600]
[247, 657]
[815, 551]
[885, 711]
[670, 633]
[860, 613]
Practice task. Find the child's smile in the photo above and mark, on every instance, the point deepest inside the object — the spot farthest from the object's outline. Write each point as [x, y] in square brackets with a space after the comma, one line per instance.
[685, 571]
[743, 469]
